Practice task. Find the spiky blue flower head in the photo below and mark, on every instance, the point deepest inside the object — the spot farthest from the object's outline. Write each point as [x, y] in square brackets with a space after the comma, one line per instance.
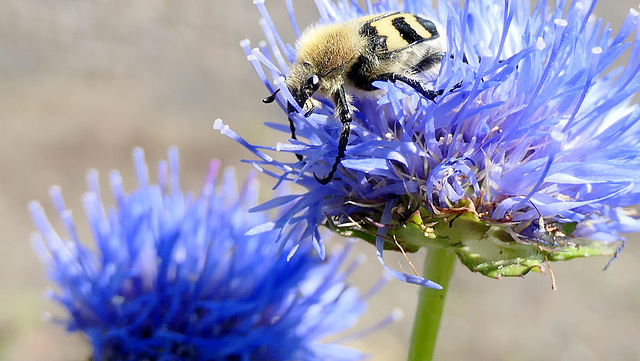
[536, 151]
[174, 276]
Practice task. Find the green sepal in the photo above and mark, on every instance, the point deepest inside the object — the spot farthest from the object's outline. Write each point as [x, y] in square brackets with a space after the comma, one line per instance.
[489, 248]
[367, 232]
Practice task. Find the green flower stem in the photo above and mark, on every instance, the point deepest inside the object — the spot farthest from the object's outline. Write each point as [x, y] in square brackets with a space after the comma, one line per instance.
[438, 267]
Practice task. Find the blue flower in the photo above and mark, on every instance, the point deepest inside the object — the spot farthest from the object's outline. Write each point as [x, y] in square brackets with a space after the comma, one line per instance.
[541, 139]
[173, 275]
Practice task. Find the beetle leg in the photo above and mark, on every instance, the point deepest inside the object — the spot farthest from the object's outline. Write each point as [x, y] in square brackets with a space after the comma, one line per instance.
[292, 127]
[344, 114]
[415, 84]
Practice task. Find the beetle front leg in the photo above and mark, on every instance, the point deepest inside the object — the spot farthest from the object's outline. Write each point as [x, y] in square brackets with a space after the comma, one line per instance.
[344, 114]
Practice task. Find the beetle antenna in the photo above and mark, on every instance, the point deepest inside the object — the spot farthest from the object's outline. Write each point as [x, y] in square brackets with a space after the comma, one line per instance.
[271, 98]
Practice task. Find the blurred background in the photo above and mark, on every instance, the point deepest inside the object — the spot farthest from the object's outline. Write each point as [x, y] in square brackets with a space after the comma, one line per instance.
[83, 82]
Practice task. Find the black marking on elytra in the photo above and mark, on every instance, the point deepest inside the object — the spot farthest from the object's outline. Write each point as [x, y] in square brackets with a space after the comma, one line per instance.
[429, 26]
[377, 42]
[368, 31]
[406, 31]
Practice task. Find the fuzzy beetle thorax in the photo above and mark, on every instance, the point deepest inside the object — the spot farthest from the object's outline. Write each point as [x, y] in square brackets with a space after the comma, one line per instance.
[327, 51]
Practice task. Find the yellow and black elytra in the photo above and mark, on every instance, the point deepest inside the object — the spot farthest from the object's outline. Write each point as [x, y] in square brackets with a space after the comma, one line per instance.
[344, 59]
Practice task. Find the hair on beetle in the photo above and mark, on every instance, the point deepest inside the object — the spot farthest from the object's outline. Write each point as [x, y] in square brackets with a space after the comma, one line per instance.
[338, 60]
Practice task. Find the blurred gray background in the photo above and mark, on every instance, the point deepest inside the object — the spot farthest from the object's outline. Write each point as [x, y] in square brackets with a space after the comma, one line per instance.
[83, 82]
